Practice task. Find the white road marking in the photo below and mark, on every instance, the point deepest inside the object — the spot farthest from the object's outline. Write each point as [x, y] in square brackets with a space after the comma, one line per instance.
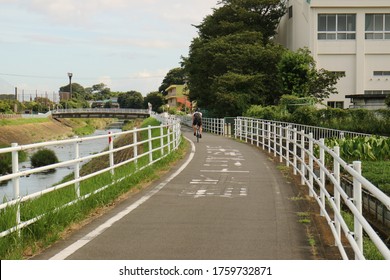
[99, 230]
[224, 171]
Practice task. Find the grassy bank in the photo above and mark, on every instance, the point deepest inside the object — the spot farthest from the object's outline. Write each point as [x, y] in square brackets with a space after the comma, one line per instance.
[22, 121]
[27, 131]
[55, 225]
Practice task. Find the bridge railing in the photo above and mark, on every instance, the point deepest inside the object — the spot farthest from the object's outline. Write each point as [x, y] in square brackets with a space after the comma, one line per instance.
[158, 143]
[298, 149]
[101, 110]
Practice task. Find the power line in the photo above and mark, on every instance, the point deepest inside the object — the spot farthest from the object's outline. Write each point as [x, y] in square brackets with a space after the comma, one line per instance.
[29, 76]
[82, 78]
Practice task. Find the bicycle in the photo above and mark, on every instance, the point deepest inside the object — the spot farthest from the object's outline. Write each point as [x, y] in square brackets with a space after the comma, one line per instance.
[197, 133]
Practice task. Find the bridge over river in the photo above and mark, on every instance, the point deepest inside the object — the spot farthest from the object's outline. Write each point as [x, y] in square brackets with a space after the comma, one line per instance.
[101, 113]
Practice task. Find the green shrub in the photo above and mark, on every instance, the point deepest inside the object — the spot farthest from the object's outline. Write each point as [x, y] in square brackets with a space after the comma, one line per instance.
[43, 157]
[305, 115]
[292, 102]
[276, 113]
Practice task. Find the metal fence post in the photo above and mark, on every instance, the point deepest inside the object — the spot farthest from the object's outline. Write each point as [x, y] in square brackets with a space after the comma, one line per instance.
[246, 130]
[162, 140]
[150, 144]
[77, 167]
[16, 182]
[169, 139]
[288, 145]
[177, 127]
[280, 143]
[303, 163]
[135, 149]
[311, 164]
[263, 128]
[236, 130]
[111, 148]
[295, 150]
[257, 133]
[251, 129]
[15, 169]
[322, 174]
[269, 136]
[357, 198]
[336, 172]
[275, 139]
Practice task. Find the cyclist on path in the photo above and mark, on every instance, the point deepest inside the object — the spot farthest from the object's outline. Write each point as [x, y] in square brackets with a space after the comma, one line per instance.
[197, 120]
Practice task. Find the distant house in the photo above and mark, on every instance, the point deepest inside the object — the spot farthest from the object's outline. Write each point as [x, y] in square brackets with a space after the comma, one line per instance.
[177, 97]
[108, 103]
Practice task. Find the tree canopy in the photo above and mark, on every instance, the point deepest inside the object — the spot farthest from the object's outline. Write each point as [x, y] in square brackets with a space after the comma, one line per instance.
[299, 76]
[156, 99]
[175, 76]
[237, 16]
[233, 63]
[131, 99]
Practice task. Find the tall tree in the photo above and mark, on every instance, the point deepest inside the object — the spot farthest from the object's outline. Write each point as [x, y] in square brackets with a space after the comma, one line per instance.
[236, 16]
[234, 43]
[78, 91]
[299, 76]
[241, 57]
[156, 99]
[131, 99]
[175, 76]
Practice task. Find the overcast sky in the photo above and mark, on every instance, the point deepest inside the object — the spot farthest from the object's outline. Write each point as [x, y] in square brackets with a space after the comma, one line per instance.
[126, 44]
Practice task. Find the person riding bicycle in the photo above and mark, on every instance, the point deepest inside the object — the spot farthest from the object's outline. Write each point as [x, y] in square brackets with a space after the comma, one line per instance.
[197, 121]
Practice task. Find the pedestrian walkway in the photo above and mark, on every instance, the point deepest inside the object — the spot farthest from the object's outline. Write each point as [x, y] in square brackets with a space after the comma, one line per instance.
[226, 200]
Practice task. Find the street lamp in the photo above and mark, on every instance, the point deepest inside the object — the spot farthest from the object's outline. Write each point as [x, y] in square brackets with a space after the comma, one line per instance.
[70, 85]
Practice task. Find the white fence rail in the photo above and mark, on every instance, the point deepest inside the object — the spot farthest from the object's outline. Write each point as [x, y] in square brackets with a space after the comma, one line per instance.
[212, 125]
[297, 149]
[168, 140]
[101, 110]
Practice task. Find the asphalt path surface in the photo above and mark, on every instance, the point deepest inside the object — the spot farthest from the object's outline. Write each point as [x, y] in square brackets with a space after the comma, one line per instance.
[225, 201]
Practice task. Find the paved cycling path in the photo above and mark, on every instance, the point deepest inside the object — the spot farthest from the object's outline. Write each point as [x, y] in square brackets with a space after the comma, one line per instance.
[228, 202]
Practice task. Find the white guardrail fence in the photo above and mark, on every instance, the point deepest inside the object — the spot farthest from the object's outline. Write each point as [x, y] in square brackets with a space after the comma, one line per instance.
[295, 144]
[153, 148]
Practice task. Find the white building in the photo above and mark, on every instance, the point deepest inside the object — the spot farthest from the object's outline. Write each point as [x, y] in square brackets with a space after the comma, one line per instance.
[351, 36]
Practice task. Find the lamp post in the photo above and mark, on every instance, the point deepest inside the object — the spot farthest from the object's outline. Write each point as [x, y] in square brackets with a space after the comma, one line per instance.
[70, 85]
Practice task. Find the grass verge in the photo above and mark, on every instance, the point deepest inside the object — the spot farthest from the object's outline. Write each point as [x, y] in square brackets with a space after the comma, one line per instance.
[369, 249]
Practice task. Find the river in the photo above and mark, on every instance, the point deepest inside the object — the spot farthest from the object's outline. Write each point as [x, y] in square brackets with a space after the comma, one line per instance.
[40, 181]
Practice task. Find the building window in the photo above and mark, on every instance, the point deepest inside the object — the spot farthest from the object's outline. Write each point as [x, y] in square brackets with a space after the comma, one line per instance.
[341, 73]
[290, 12]
[377, 92]
[336, 104]
[336, 27]
[381, 73]
[377, 26]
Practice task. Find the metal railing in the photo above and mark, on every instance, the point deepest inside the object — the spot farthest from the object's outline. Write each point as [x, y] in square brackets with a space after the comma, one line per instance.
[150, 149]
[212, 125]
[318, 132]
[297, 149]
[101, 110]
